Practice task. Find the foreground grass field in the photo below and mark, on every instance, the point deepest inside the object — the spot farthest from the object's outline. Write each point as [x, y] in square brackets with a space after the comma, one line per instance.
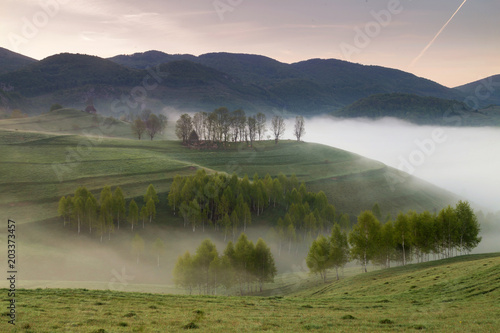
[454, 295]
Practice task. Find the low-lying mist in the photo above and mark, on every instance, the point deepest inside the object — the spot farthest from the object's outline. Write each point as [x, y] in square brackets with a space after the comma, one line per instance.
[463, 160]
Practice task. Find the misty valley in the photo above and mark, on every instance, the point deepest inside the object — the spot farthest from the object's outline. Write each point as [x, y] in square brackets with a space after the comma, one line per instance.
[161, 192]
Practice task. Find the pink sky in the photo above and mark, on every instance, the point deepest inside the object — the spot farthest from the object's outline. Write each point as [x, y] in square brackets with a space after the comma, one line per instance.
[390, 33]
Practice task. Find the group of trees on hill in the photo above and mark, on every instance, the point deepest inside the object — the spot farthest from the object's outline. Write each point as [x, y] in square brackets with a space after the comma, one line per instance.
[411, 236]
[227, 203]
[84, 210]
[221, 125]
[149, 123]
[242, 263]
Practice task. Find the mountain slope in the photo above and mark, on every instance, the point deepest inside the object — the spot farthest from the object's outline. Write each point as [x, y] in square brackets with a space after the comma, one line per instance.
[482, 93]
[312, 86]
[148, 59]
[65, 71]
[188, 83]
[11, 61]
[410, 107]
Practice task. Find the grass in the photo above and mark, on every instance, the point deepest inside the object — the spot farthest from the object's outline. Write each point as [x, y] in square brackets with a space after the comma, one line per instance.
[44, 158]
[464, 299]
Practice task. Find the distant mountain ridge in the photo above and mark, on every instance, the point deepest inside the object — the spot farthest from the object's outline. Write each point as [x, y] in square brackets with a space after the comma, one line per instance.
[191, 83]
[11, 61]
[413, 108]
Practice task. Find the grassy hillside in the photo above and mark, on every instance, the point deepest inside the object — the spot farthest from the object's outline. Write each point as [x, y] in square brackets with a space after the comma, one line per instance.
[68, 121]
[455, 295]
[41, 162]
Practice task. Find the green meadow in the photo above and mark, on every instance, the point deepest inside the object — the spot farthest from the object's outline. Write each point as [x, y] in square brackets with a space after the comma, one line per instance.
[453, 295]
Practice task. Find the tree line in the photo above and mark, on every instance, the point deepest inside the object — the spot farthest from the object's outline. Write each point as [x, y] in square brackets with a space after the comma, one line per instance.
[224, 126]
[227, 203]
[411, 236]
[84, 210]
[242, 264]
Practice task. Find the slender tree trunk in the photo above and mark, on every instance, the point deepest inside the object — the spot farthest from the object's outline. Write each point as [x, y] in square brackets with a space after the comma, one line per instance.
[364, 260]
[404, 255]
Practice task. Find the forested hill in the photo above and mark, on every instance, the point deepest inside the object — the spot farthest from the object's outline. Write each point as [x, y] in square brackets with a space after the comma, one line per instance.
[253, 83]
[418, 109]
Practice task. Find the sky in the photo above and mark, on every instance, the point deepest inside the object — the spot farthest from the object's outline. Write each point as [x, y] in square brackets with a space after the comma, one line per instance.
[415, 36]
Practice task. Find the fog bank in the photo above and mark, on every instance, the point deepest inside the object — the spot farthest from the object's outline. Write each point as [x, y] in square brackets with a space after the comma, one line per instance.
[463, 160]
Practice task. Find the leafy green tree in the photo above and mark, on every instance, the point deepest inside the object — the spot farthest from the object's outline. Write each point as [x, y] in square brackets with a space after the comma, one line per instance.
[277, 192]
[299, 129]
[151, 209]
[345, 222]
[205, 254]
[153, 125]
[278, 127]
[79, 200]
[79, 210]
[144, 214]
[468, 226]
[387, 244]
[194, 214]
[184, 272]
[133, 214]
[264, 266]
[137, 246]
[118, 205]
[138, 127]
[91, 211]
[291, 233]
[376, 211]
[318, 258]
[163, 122]
[151, 194]
[246, 215]
[62, 209]
[226, 224]
[235, 221]
[339, 249]
[243, 255]
[448, 221]
[106, 212]
[364, 238]
[174, 195]
[158, 249]
[402, 234]
[184, 127]
[252, 129]
[260, 119]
